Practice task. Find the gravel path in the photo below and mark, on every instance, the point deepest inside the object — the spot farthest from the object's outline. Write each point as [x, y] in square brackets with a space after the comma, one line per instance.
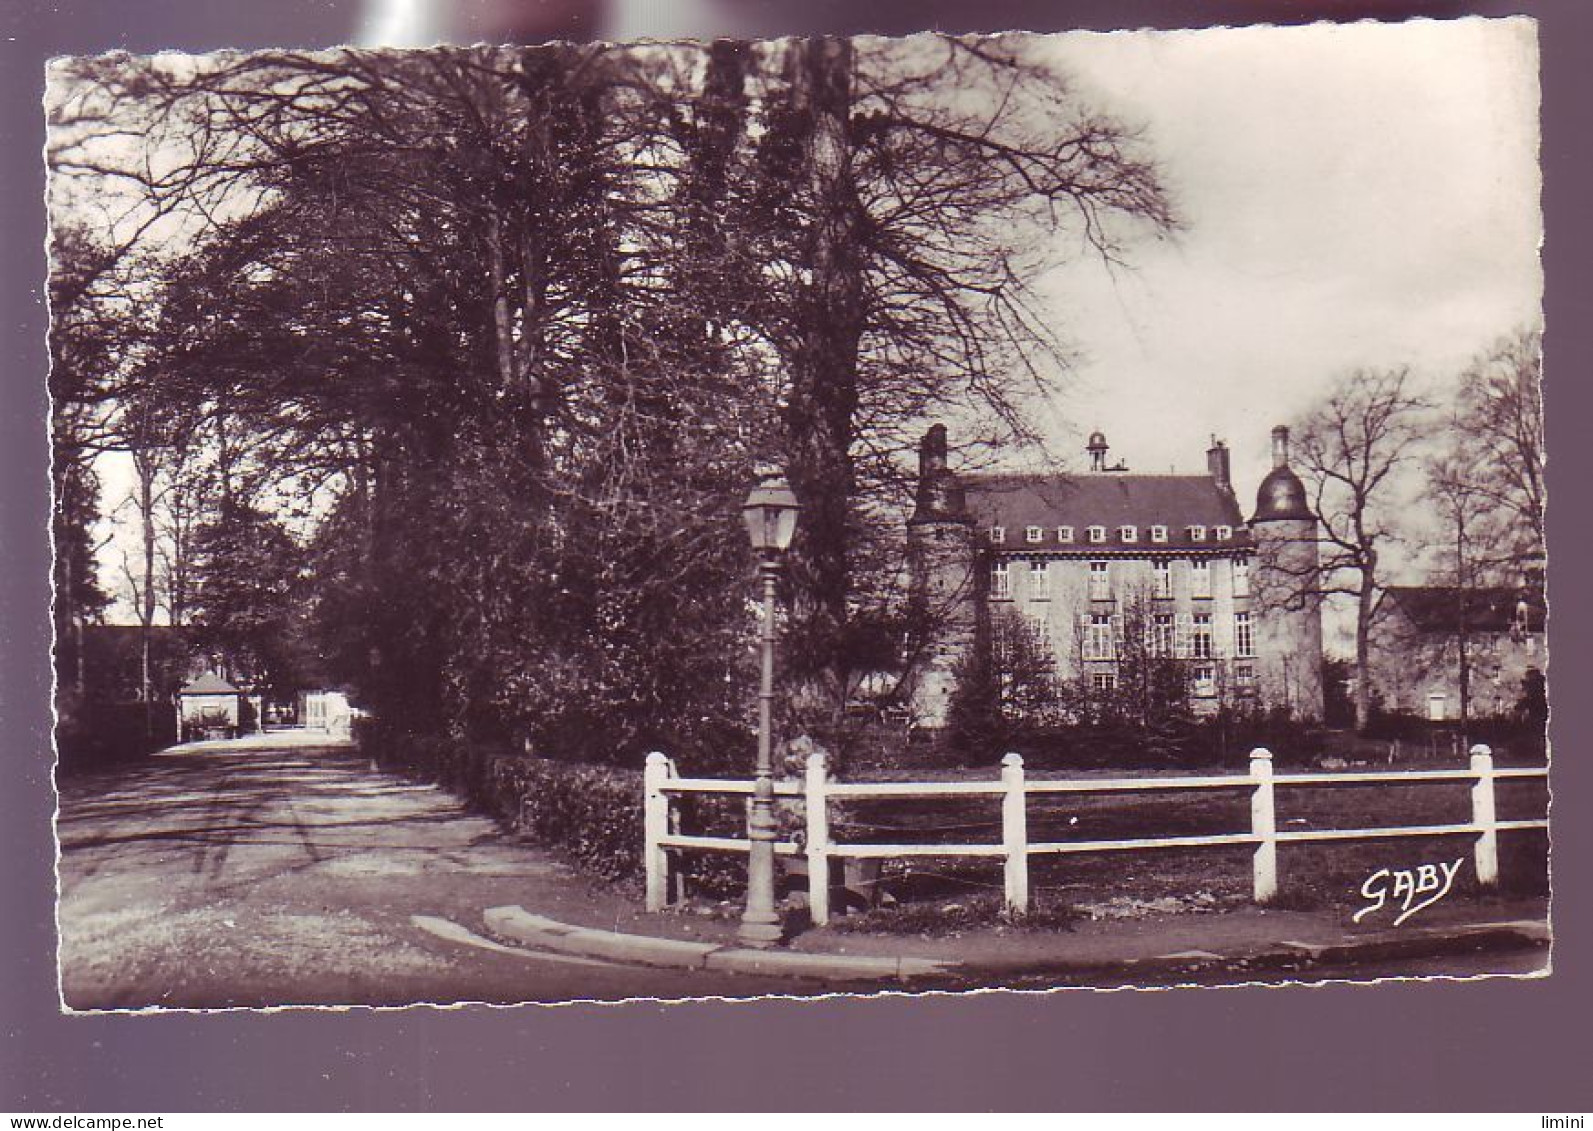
[280, 870]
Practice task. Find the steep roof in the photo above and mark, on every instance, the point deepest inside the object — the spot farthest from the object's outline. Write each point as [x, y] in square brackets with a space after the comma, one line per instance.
[1109, 499]
[208, 684]
[1438, 608]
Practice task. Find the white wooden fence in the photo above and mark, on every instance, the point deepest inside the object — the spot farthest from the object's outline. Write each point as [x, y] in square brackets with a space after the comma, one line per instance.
[662, 786]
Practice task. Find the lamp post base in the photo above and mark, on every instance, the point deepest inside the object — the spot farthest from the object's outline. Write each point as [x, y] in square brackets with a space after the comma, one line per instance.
[759, 933]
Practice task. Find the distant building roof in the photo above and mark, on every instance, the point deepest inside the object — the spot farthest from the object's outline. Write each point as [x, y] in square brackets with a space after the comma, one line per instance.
[1439, 608]
[208, 684]
[1110, 500]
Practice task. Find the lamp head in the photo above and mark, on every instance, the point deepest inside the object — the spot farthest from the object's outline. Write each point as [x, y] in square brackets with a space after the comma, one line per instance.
[770, 513]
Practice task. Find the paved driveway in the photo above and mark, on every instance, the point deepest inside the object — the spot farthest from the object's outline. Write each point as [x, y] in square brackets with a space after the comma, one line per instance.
[280, 870]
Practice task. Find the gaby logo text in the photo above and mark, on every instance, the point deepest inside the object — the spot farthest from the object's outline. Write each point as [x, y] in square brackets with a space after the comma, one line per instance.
[1411, 889]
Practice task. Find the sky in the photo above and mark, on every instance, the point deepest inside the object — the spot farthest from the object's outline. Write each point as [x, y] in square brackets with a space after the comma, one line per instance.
[1355, 196]
[1350, 196]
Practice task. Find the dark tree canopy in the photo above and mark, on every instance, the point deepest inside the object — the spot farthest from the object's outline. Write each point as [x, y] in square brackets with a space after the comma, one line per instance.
[483, 347]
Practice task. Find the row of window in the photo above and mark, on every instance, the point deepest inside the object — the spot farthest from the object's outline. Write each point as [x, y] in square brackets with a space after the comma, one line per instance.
[1100, 586]
[1203, 680]
[1097, 534]
[1187, 637]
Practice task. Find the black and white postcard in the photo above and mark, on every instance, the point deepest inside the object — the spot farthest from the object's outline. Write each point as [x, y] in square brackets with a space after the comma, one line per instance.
[783, 518]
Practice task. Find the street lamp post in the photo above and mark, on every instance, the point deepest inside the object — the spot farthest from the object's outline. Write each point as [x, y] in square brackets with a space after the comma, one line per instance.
[770, 513]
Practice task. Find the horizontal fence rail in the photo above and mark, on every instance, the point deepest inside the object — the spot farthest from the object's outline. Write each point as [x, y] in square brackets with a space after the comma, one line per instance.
[661, 785]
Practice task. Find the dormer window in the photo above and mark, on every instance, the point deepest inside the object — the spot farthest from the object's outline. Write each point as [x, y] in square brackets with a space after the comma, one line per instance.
[1033, 534]
[1224, 533]
[998, 534]
[1128, 533]
[1064, 534]
[1197, 533]
[1158, 534]
[1097, 534]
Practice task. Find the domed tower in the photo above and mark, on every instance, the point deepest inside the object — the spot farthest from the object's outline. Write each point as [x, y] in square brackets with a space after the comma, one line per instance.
[942, 557]
[1097, 447]
[1286, 583]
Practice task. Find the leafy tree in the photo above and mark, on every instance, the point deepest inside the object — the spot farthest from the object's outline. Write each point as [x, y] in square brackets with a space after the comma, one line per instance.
[1006, 687]
[247, 599]
[514, 326]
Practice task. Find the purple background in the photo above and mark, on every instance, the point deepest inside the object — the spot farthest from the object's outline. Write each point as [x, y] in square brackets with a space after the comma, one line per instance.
[1499, 1045]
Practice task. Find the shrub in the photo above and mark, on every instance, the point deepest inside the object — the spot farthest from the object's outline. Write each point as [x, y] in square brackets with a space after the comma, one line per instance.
[92, 735]
[591, 814]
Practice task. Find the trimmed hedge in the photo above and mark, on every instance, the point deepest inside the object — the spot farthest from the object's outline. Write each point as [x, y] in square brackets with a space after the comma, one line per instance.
[93, 736]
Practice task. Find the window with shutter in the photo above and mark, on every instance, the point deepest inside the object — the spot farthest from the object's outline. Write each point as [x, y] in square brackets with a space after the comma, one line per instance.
[1098, 637]
[1244, 644]
[1100, 581]
[1039, 581]
[1000, 581]
[1162, 635]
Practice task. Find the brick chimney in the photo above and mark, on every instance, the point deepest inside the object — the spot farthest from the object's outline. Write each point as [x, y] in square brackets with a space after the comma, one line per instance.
[1280, 446]
[1217, 465]
[940, 495]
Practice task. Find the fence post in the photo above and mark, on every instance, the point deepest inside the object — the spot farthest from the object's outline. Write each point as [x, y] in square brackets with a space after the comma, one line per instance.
[1484, 817]
[1264, 826]
[677, 876]
[818, 837]
[1015, 835]
[655, 826]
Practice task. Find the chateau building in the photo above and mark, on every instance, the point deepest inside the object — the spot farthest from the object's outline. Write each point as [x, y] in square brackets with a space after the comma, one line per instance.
[1089, 558]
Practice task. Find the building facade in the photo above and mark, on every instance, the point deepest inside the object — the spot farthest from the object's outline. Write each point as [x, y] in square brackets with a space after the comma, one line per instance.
[1087, 560]
[1441, 652]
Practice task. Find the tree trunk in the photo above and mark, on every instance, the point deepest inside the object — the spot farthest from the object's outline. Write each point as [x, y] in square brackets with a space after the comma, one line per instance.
[1363, 650]
[1462, 626]
[144, 464]
[820, 413]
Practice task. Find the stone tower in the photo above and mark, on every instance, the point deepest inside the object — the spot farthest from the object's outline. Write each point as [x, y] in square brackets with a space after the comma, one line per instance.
[942, 560]
[1286, 581]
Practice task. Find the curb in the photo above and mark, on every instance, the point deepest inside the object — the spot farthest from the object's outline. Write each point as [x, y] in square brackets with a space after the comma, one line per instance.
[539, 932]
[515, 922]
[1429, 943]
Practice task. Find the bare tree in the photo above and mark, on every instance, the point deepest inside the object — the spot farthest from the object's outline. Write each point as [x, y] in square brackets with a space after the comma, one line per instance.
[1350, 451]
[1455, 474]
[909, 193]
[1501, 416]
